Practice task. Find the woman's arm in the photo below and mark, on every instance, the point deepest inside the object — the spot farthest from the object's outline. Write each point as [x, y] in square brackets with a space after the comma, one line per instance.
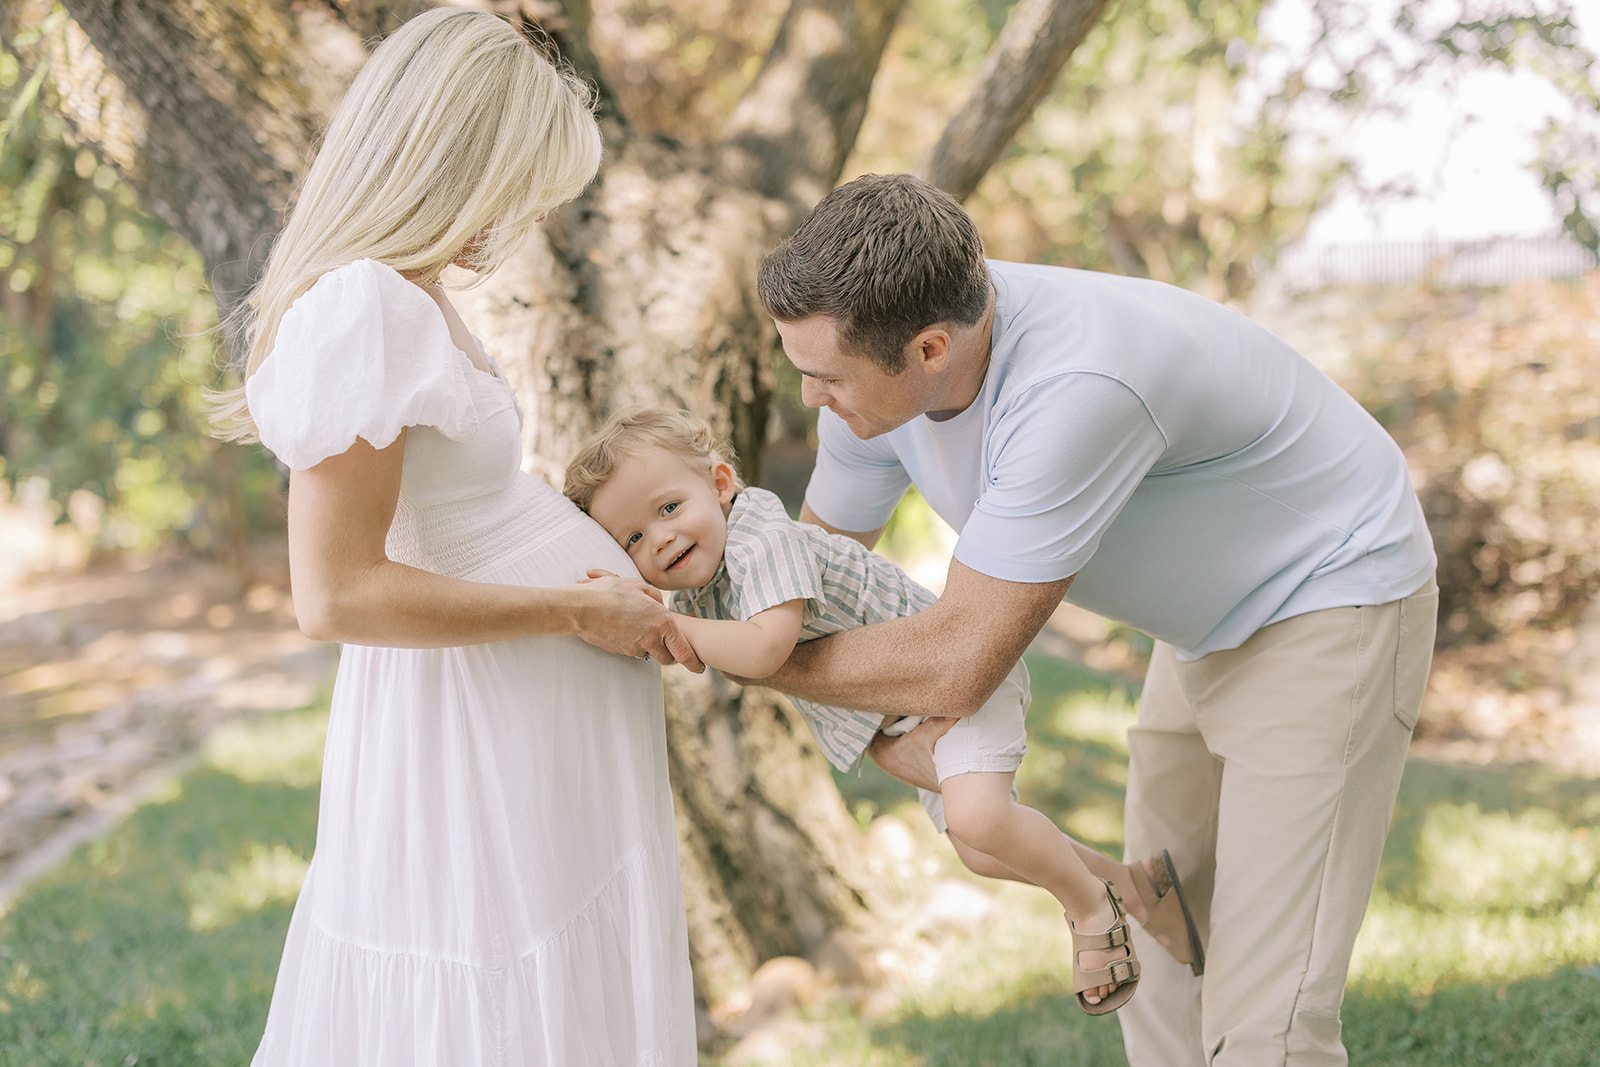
[751, 649]
[346, 589]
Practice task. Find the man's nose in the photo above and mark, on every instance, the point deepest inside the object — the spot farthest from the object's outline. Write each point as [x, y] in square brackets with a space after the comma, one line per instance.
[812, 394]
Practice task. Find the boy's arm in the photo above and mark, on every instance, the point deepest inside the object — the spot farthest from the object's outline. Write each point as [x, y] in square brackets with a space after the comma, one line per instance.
[751, 649]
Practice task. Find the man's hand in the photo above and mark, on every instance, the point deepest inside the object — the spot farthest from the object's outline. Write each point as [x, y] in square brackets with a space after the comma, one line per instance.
[909, 757]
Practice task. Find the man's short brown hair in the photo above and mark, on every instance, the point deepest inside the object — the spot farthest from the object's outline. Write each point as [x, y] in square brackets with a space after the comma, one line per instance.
[886, 256]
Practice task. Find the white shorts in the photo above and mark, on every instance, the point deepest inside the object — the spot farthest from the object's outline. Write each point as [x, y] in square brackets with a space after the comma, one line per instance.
[991, 739]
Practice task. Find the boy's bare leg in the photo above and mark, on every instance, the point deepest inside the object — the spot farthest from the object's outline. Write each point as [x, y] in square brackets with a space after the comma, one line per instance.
[983, 818]
[1100, 865]
[909, 758]
[982, 864]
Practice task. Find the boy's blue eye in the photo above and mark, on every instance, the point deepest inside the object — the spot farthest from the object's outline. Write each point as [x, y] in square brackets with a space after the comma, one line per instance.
[669, 508]
[633, 539]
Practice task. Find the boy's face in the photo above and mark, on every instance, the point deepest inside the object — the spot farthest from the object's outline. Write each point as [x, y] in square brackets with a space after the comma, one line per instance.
[670, 514]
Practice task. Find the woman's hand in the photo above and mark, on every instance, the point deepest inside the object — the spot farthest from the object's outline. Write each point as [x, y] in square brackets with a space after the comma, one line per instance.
[625, 616]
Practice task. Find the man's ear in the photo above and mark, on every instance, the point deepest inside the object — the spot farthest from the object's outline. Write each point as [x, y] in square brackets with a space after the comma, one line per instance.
[930, 350]
[725, 481]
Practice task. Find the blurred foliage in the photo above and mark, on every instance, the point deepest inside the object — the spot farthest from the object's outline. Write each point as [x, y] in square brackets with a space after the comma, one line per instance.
[105, 344]
[1175, 145]
[1182, 141]
[1145, 159]
[1491, 394]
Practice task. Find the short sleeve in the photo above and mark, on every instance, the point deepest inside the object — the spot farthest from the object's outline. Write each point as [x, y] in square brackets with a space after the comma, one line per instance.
[362, 354]
[1060, 466]
[768, 556]
[855, 484]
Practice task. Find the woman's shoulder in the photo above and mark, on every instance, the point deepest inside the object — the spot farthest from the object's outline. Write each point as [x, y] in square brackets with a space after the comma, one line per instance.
[360, 287]
[362, 353]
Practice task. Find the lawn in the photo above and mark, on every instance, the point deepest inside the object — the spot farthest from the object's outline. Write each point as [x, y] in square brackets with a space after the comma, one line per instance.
[158, 944]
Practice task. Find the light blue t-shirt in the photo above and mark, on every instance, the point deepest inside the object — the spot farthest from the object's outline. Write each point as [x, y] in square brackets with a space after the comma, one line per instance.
[1200, 477]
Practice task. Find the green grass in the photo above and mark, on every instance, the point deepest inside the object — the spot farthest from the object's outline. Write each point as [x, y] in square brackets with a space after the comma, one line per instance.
[160, 943]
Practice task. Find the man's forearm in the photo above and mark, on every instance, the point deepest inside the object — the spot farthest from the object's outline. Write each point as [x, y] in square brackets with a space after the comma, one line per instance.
[945, 661]
[900, 667]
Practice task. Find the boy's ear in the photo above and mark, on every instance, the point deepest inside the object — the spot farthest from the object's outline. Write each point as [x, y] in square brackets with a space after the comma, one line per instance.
[726, 482]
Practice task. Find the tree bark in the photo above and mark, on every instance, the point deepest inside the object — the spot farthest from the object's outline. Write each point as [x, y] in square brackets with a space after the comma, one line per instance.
[640, 292]
[792, 132]
[1038, 39]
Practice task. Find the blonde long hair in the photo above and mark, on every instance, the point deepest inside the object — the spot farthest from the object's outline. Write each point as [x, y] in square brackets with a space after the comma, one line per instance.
[452, 142]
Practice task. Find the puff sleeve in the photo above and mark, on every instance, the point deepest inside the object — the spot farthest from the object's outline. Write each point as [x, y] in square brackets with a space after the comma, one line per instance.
[361, 354]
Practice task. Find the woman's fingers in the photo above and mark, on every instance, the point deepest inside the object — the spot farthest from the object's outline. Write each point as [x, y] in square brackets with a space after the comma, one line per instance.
[627, 618]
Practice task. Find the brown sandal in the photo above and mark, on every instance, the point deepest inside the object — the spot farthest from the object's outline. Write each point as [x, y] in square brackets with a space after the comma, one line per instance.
[1123, 973]
[1167, 912]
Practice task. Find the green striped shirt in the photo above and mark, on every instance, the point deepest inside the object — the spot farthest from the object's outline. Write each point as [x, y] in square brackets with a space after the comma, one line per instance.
[771, 559]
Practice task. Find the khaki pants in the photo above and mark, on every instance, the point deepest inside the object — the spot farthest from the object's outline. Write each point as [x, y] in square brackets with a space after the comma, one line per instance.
[1270, 773]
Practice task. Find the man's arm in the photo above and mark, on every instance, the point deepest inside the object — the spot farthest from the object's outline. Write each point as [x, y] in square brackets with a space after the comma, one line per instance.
[945, 661]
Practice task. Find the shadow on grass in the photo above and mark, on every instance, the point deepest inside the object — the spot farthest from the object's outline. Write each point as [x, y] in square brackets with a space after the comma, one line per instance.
[1040, 1031]
[99, 963]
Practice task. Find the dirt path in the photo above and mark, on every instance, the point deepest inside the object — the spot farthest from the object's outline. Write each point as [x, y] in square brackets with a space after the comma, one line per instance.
[116, 672]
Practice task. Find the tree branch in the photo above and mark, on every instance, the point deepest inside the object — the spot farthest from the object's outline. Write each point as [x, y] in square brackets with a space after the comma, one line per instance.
[793, 130]
[209, 109]
[1037, 40]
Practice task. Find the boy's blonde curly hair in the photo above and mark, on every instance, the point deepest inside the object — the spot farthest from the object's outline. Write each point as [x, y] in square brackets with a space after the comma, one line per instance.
[629, 433]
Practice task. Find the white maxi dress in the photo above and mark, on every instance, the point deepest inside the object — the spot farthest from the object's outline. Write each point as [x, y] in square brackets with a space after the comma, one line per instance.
[495, 878]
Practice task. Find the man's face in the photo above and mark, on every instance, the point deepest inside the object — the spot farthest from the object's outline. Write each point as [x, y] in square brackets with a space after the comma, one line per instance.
[669, 515]
[853, 387]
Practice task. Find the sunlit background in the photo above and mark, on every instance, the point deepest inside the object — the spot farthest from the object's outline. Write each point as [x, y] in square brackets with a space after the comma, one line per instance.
[1415, 213]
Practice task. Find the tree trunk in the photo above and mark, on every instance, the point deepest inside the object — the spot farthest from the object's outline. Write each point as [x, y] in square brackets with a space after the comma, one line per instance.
[641, 292]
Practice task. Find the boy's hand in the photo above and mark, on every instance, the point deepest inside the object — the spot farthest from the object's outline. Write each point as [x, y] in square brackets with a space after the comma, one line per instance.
[909, 757]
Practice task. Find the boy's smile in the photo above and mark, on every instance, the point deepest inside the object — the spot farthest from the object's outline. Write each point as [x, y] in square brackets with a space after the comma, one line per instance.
[670, 514]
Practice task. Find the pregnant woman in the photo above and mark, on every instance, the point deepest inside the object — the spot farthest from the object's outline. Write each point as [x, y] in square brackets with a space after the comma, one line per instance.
[495, 878]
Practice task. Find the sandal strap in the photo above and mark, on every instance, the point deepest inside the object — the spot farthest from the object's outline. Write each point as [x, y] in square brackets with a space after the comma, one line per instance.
[1148, 893]
[1117, 972]
[1116, 937]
